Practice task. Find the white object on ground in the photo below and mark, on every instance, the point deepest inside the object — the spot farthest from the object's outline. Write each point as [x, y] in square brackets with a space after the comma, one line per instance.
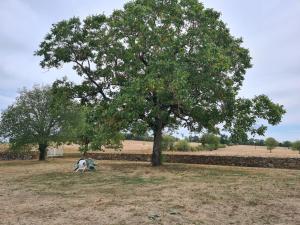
[81, 165]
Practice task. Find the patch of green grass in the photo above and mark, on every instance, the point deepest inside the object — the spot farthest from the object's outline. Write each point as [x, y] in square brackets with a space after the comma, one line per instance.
[68, 184]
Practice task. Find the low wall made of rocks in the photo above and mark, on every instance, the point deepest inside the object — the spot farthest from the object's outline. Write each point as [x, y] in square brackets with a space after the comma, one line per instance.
[7, 155]
[266, 162]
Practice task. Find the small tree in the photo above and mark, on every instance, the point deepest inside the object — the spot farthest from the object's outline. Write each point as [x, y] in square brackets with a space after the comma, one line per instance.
[271, 143]
[296, 146]
[287, 144]
[37, 117]
[259, 142]
[212, 140]
[182, 145]
[168, 142]
[83, 132]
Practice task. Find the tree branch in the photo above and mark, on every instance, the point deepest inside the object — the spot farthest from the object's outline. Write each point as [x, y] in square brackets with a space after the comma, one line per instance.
[88, 74]
[142, 58]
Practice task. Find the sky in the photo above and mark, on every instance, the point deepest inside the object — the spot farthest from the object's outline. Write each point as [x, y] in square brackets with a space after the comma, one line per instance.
[270, 30]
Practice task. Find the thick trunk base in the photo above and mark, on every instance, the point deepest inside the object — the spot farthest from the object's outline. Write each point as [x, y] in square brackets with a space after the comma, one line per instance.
[156, 154]
[43, 152]
[156, 158]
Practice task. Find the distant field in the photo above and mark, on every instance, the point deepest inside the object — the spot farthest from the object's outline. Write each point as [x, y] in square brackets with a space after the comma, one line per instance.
[3, 147]
[33, 192]
[238, 150]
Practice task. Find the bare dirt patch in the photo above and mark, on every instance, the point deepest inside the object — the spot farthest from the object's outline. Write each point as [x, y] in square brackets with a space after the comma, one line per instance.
[135, 193]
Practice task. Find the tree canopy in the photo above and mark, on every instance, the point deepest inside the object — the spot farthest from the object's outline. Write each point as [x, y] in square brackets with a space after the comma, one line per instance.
[287, 144]
[296, 146]
[211, 140]
[38, 116]
[159, 64]
[271, 143]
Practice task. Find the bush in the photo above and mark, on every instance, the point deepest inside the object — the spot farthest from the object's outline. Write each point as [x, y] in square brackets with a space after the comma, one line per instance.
[287, 144]
[197, 148]
[210, 147]
[167, 143]
[183, 146]
[211, 140]
[271, 143]
[296, 146]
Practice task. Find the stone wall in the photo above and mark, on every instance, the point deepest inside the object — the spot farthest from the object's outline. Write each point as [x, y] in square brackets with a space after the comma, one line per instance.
[18, 156]
[266, 162]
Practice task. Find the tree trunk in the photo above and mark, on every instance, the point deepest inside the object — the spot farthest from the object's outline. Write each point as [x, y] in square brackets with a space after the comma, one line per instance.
[86, 147]
[156, 154]
[43, 151]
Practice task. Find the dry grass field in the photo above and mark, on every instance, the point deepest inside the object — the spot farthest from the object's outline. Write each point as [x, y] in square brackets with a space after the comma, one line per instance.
[3, 147]
[33, 192]
[238, 150]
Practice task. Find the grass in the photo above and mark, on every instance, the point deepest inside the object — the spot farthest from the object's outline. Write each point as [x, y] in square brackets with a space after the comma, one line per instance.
[136, 193]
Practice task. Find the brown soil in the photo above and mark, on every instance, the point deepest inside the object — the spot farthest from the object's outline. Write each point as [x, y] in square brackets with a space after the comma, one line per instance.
[49, 192]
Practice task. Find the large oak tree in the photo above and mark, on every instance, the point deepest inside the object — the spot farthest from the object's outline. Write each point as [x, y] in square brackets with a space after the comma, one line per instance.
[159, 64]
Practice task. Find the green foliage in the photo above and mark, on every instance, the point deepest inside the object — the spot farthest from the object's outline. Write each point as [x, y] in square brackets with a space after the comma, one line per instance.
[246, 141]
[296, 146]
[210, 147]
[38, 116]
[182, 146]
[145, 137]
[194, 139]
[224, 139]
[162, 158]
[210, 141]
[158, 64]
[259, 142]
[271, 143]
[168, 142]
[287, 144]
[85, 130]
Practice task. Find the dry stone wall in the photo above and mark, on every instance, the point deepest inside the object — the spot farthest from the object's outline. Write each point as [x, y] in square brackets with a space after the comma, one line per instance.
[18, 156]
[266, 162]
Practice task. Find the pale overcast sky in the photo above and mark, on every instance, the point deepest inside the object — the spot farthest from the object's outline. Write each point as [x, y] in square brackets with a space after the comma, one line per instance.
[270, 29]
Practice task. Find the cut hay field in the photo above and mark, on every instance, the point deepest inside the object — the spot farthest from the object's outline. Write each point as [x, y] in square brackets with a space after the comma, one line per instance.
[237, 150]
[3, 147]
[33, 192]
